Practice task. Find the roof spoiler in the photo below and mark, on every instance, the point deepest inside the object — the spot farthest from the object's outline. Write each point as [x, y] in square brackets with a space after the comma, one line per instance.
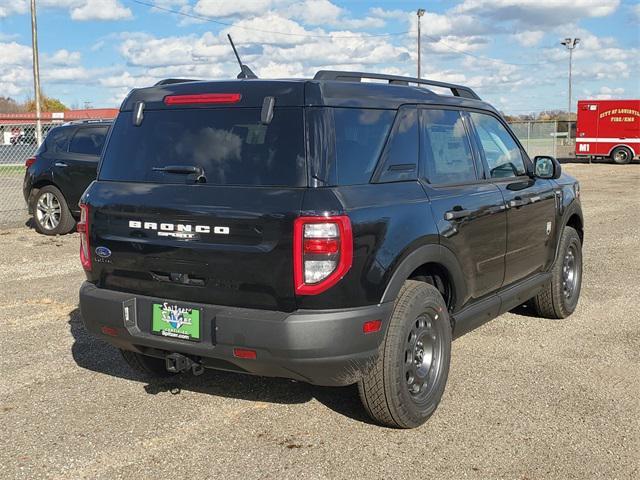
[336, 75]
[169, 81]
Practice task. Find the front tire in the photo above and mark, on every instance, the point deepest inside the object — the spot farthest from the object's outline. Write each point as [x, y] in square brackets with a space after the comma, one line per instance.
[559, 298]
[621, 155]
[51, 214]
[405, 385]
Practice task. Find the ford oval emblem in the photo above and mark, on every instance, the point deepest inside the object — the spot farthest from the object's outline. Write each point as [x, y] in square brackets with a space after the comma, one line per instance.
[103, 252]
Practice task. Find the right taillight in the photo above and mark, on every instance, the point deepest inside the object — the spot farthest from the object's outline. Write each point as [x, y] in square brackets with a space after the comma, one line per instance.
[30, 161]
[322, 252]
[83, 230]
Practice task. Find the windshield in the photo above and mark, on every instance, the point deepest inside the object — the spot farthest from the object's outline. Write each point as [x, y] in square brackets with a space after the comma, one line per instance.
[231, 146]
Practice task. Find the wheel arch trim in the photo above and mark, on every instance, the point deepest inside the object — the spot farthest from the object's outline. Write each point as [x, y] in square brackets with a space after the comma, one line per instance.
[422, 255]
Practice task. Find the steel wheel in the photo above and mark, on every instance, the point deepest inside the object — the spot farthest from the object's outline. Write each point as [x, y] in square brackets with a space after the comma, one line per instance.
[570, 273]
[423, 355]
[48, 211]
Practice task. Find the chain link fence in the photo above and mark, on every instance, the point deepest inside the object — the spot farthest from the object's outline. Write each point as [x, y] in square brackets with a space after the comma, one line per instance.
[554, 137]
[17, 143]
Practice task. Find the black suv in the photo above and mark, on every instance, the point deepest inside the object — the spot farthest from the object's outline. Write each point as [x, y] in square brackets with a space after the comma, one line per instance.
[60, 171]
[327, 230]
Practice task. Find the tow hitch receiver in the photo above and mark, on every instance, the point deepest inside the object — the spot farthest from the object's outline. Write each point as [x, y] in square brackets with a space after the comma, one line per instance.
[177, 363]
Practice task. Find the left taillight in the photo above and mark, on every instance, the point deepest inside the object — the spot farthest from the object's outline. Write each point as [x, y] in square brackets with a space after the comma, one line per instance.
[83, 230]
[322, 252]
[30, 161]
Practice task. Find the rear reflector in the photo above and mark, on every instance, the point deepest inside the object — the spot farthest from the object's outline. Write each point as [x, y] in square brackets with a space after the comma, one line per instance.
[244, 353]
[219, 98]
[372, 326]
[111, 331]
[29, 162]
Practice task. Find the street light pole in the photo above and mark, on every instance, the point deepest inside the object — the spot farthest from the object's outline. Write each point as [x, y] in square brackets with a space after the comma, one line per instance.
[420, 13]
[570, 44]
[36, 70]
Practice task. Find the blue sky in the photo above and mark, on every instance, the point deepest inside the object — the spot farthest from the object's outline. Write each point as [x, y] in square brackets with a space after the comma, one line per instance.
[508, 50]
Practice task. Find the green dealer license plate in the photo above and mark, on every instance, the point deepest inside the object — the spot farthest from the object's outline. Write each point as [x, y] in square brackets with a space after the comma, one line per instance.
[175, 321]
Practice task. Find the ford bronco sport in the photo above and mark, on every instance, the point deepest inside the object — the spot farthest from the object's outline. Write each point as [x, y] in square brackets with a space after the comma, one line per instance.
[328, 230]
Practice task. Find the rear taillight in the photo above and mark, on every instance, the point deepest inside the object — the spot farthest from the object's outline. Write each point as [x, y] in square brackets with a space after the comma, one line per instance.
[322, 252]
[83, 230]
[29, 162]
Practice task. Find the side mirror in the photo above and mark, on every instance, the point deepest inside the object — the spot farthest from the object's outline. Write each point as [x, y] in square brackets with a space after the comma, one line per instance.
[546, 167]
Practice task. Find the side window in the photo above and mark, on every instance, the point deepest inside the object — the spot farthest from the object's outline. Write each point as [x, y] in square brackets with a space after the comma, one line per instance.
[88, 141]
[58, 140]
[360, 135]
[400, 158]
[446, 151]
[502, 153]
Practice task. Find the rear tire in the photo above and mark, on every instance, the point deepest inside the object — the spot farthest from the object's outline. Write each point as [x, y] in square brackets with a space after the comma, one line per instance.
[559, 298]
[621, 155]
[51, 214]
[405, 385]
[149, 366]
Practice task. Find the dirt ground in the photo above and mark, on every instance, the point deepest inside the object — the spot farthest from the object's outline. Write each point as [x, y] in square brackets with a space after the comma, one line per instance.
[527, 398]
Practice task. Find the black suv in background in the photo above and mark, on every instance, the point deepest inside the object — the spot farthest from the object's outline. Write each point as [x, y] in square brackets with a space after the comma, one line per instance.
[327, 230]
[60, 171]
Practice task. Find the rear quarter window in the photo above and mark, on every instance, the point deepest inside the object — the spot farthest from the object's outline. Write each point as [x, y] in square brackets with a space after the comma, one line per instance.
[345, 143]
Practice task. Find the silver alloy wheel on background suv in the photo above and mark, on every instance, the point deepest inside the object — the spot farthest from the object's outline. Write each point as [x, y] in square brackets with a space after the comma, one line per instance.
[48, 211]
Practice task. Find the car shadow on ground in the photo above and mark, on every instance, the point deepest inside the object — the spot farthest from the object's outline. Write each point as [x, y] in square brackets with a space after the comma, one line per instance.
[93, 354]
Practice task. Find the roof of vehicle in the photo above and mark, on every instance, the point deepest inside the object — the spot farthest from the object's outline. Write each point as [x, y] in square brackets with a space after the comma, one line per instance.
[328, 88]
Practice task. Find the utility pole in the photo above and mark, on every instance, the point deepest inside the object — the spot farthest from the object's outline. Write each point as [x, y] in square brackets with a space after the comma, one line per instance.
[420, 13]
[570, 44]
[36, 70]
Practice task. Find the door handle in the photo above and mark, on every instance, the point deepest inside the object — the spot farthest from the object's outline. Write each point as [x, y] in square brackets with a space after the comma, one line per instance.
[456, 214]
[60, 164]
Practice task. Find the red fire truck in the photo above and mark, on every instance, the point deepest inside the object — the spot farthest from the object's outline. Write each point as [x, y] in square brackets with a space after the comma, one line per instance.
[608, 128]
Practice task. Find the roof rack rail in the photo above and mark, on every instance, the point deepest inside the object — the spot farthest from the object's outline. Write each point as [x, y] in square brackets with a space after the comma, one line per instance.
[88, 120]
[169, 81]
[456, 90]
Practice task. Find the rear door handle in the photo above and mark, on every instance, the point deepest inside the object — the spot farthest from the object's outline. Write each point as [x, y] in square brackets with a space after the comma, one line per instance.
[456, 214]
[60, 164]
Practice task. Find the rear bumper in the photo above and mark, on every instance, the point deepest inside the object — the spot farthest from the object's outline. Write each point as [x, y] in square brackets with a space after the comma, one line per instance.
[322, 347]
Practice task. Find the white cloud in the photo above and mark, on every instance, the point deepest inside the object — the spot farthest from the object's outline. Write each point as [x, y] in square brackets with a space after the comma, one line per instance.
[529, 38]
[100, 10]
[538, 12]
[8, 7]
[15, 54]
[226, 8]
[64, 57]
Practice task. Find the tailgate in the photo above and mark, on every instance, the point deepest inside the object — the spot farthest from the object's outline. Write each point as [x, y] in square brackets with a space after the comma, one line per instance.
[225, 245]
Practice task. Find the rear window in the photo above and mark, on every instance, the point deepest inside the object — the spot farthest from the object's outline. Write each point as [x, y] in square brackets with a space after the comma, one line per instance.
[232, 146]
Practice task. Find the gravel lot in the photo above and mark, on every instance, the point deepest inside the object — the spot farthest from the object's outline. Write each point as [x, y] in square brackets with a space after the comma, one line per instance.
[527, 398]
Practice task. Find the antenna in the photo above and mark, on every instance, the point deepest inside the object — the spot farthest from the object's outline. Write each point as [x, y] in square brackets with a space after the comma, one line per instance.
[245, 72]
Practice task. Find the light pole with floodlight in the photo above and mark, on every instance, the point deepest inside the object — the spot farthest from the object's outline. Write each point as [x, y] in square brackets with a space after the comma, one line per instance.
[570, 44]
[420, 13]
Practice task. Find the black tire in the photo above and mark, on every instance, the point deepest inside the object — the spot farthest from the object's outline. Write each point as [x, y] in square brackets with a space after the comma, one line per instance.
[386, 390]
[621, 155]
[559, 298]
[149, 366]
[51, 214]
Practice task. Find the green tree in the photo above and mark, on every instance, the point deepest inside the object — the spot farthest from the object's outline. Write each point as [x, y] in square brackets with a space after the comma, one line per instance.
[47, 104]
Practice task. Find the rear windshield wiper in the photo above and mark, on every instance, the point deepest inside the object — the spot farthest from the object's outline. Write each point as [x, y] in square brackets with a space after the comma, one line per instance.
[184, 170]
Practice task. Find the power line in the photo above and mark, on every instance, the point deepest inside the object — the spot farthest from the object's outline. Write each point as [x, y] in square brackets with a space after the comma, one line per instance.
[227, 24]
